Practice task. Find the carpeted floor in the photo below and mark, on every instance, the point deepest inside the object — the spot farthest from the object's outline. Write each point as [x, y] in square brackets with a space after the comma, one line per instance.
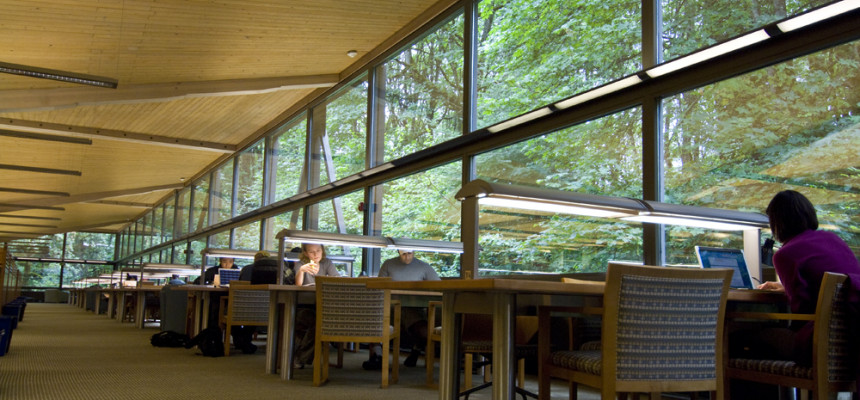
[62, 352]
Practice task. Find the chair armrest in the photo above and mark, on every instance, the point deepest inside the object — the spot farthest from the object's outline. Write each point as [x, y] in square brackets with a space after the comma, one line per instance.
[770, 316]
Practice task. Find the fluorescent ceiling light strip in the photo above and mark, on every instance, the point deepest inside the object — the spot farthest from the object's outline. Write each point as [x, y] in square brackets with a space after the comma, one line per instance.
[818, 15]
[57, 75]
[543, 206]
[708, 53]
[520, 120]
[599, 92]
[691, 222]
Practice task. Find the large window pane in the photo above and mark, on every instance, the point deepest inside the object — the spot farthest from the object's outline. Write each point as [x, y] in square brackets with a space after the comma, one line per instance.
[169, 214]
[422, 206]
[289, 159]
[339, 135]
[183, 205]
[423, 92]
[222, 193]
[533, 53]
[157, 225]
[90, 246]
[247, 237]
[795, 125]
[200, 208]
[602, 157]
[691, 25]
[249, 194]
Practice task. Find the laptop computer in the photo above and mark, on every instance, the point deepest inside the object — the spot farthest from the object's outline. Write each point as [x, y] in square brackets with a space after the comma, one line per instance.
[715, 257]
[225, 276]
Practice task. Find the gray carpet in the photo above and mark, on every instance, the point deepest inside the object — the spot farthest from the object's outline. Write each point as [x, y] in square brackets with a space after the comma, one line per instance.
[63, 352]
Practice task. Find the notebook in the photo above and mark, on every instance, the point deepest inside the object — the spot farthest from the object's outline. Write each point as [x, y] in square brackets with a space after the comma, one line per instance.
[226, 275]
[714, 257]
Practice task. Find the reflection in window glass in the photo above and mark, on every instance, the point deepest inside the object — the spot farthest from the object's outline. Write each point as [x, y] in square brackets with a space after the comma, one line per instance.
[692, 25]
[179, 256]
[288, 157]
[220, 240]
[534, 53]
[423, 92]
[247, 237]
[183, 206]
[602, 157]
[197, 247]
[795, 125]
[222, 193]
[422, 206]
[339, 135]
[249, 195]
[200, 208]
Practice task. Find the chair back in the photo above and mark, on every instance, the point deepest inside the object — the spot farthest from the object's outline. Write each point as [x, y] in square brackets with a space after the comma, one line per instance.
[347, 309]
[248, 304]
[833, 321]
[664, 324]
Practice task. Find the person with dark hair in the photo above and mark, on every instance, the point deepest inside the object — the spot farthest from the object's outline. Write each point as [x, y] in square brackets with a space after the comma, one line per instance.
[806, 254]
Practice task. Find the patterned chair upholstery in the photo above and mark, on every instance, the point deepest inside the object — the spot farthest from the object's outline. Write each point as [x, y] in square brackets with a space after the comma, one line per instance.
[662, 332]
[834, 351]
[247, 305]
[347, 311]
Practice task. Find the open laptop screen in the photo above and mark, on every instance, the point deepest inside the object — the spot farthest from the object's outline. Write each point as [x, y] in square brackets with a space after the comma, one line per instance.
[714, 257]
[227, 275]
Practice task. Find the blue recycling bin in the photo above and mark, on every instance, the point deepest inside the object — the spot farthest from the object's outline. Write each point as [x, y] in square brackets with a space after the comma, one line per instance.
[7, 323]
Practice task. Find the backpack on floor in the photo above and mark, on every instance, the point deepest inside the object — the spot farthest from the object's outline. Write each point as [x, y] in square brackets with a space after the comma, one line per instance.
[169, 339]
[209, 342]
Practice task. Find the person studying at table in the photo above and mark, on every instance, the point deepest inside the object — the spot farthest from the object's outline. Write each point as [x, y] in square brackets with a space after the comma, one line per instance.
[312, 263]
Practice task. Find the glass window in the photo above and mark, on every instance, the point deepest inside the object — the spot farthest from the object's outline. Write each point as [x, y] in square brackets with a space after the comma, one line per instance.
[195, 257]
[183, 206]
[200, 208]
[249, 195]
[157, 225]
[534, 53]
[602, 157]
[90, 246]
[692, 25]
[247, 237]
[339, 214]
[179, 256]
[169, 213]
[222, 193]
[288, 157]
[736, 143]
[423, 92]
[220, 240]
[287, 220]
[339, 135]
[422, 206]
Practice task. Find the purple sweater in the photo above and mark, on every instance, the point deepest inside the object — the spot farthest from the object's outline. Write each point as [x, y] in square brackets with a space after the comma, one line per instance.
[801, 264]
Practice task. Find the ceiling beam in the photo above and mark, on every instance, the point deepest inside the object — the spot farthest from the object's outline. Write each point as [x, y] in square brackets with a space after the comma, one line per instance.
[87, 197]
[30, 217]
[110, 134]
[53, 99]
[123, 203]
[30, 191]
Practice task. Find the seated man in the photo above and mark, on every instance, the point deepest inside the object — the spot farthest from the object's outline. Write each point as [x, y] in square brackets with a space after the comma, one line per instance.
[413, 320]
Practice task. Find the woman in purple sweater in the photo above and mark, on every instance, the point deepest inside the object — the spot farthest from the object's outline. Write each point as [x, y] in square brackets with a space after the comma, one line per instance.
[806, 254]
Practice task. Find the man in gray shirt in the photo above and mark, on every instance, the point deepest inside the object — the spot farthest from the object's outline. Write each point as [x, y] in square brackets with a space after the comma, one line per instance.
[406, 267]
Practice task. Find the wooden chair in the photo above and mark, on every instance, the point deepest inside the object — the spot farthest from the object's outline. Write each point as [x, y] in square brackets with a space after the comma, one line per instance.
[662, 332]
[834, 351]
[347, 311]
[247, 305]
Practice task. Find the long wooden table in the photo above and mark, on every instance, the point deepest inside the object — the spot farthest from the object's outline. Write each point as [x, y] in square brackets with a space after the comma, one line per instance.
[499, 298]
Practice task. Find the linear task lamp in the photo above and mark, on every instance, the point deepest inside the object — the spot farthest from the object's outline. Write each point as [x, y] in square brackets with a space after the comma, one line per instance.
[57, 75]
[560, 201]
[337, 239]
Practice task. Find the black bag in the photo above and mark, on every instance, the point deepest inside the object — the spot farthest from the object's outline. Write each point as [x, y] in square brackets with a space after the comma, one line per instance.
[209, 342]
[169, 339]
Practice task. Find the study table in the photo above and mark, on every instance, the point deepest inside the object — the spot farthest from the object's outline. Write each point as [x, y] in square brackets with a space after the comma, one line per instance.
[498, 297]
[282, 317]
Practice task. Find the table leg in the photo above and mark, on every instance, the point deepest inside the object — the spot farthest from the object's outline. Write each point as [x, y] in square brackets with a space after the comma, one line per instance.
[286, 346]
[140, 309]
[504, 310]
[449, 357]
[272, 335]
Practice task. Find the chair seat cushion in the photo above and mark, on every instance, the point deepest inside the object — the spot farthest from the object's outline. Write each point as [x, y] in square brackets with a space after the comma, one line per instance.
[778, 367]
[591, 346]
[584, 361]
